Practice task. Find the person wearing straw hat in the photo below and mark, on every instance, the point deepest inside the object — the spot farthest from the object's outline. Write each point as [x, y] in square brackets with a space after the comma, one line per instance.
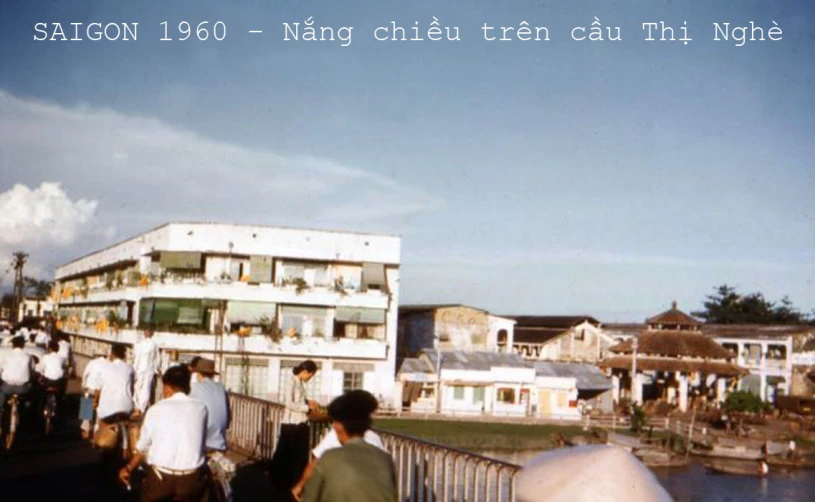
[214, 396]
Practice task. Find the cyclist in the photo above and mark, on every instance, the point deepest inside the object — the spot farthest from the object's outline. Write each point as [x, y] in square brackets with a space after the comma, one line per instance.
[52, 371]
[16, 370]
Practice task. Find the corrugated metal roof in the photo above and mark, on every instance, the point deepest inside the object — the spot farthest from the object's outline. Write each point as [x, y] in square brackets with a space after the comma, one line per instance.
[414, 365]
[589, 376]
[476, 360]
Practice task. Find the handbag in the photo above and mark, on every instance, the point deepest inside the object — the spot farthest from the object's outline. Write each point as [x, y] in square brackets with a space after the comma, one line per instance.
[107, 437]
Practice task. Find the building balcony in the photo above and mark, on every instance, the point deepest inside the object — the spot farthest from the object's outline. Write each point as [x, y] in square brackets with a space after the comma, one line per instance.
[237, 291]
[253, 344]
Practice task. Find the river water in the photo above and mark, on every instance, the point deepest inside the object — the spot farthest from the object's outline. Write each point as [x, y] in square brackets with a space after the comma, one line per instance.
[695, 483]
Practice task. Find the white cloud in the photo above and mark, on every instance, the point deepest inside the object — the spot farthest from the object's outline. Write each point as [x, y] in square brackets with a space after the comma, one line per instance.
[144, 172]
[42, 218]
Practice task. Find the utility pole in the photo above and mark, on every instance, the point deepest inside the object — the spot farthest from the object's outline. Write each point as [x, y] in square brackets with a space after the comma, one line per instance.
[18, 263]
[634, 370]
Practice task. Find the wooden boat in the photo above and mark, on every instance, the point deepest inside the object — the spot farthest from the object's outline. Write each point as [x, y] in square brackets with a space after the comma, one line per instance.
[660, 458]
[759, 469]
[791, 463]
[733, 452]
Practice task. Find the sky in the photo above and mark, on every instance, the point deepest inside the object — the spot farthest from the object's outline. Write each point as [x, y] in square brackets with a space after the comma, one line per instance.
[607, 178]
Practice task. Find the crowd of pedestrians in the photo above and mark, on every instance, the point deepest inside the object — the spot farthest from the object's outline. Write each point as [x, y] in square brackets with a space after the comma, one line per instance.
[181, 438]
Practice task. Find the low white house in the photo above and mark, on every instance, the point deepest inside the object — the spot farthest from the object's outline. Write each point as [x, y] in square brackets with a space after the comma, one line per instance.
[498, 384]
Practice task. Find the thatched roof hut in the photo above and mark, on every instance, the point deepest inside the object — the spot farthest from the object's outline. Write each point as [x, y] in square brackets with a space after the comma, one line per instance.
[649, 363]
[674, 344]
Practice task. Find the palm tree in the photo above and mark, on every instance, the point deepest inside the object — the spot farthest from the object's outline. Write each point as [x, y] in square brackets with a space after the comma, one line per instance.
[40, 289]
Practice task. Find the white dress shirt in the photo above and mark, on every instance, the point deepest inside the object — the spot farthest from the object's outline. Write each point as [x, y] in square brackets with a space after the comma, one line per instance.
[64, 350]
[42, 338]
[172, 434]
[331, 441]
[145, 357]
[115, 388]
[15, 367]
[50, 366]
[90, 377]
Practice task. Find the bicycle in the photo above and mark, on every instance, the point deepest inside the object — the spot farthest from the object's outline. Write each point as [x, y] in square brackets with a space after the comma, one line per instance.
[50, 409]
[13, 421]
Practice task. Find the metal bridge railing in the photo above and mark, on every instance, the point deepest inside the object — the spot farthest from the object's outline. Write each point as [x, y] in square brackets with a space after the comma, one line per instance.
[426, 471]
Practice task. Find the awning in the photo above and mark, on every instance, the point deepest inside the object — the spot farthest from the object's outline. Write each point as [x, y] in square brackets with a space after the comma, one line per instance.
[250, 312]
[260, 269]
[180, 260]
[373, 276]
[165, 311]
[291, 310]
[190, 312]
[360, 315]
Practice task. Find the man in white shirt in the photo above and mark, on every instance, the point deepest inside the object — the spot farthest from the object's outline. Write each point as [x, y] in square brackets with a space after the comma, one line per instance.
[16, 369]
[115, 393]
[52, 373]
[65, 351]
[146, 366]
[90, 383]
[172, 442]
[51, 368]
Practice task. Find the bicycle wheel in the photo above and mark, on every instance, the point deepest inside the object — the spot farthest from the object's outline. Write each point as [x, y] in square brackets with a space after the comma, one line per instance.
[50, 405]
[13, 420]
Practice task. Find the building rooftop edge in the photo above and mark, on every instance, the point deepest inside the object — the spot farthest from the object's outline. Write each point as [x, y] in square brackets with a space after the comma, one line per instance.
[226, 224]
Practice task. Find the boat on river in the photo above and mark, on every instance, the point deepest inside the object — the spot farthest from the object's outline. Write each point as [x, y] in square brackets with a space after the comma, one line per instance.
[728, 466]
[737, 452]
[791, 463]
[660, 458]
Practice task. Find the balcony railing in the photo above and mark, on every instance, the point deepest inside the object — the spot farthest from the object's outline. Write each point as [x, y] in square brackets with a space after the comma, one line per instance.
[425, 471]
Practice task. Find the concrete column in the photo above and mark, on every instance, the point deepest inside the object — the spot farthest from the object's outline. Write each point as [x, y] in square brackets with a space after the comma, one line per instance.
[721, 388]
[615, 388]
[683, 392]
[637, 397]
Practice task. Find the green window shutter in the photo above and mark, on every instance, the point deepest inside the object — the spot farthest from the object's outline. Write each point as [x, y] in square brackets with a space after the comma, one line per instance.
[250, 312]
[360, 315]
[165, 310]
[260, 269]
[373, 277]
[180, 260]
[190, 312]
[146, 307]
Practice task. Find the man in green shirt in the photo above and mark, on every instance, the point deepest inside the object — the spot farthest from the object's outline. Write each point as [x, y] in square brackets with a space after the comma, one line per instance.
[358, 471]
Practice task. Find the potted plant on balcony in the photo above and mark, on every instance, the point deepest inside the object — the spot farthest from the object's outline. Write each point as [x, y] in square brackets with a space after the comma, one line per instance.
[109, 279]
[339, 286]
[119, 280]
[83, 288]
[300, 285]
[133, 278]
[270, 329]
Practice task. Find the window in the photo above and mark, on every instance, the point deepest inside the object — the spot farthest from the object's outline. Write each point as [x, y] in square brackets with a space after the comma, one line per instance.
[503, 337]
[458, 393]
[478, 395]
[303, 321]
[314, 274]
[351, 381]
[506, 395]
[580, 335]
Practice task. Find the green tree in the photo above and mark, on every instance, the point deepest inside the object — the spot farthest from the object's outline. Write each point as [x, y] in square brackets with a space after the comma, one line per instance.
[727, 306]
[37, 288]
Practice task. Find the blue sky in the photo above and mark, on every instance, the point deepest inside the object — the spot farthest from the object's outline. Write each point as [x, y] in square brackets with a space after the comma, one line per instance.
[554, 177]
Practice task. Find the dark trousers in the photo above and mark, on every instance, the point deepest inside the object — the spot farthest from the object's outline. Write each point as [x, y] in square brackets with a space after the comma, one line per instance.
[165, 487]
[291, 455]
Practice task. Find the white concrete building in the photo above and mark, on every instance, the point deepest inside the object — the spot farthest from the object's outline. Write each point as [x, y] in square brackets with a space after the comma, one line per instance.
[258, 299]
[35, 307]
